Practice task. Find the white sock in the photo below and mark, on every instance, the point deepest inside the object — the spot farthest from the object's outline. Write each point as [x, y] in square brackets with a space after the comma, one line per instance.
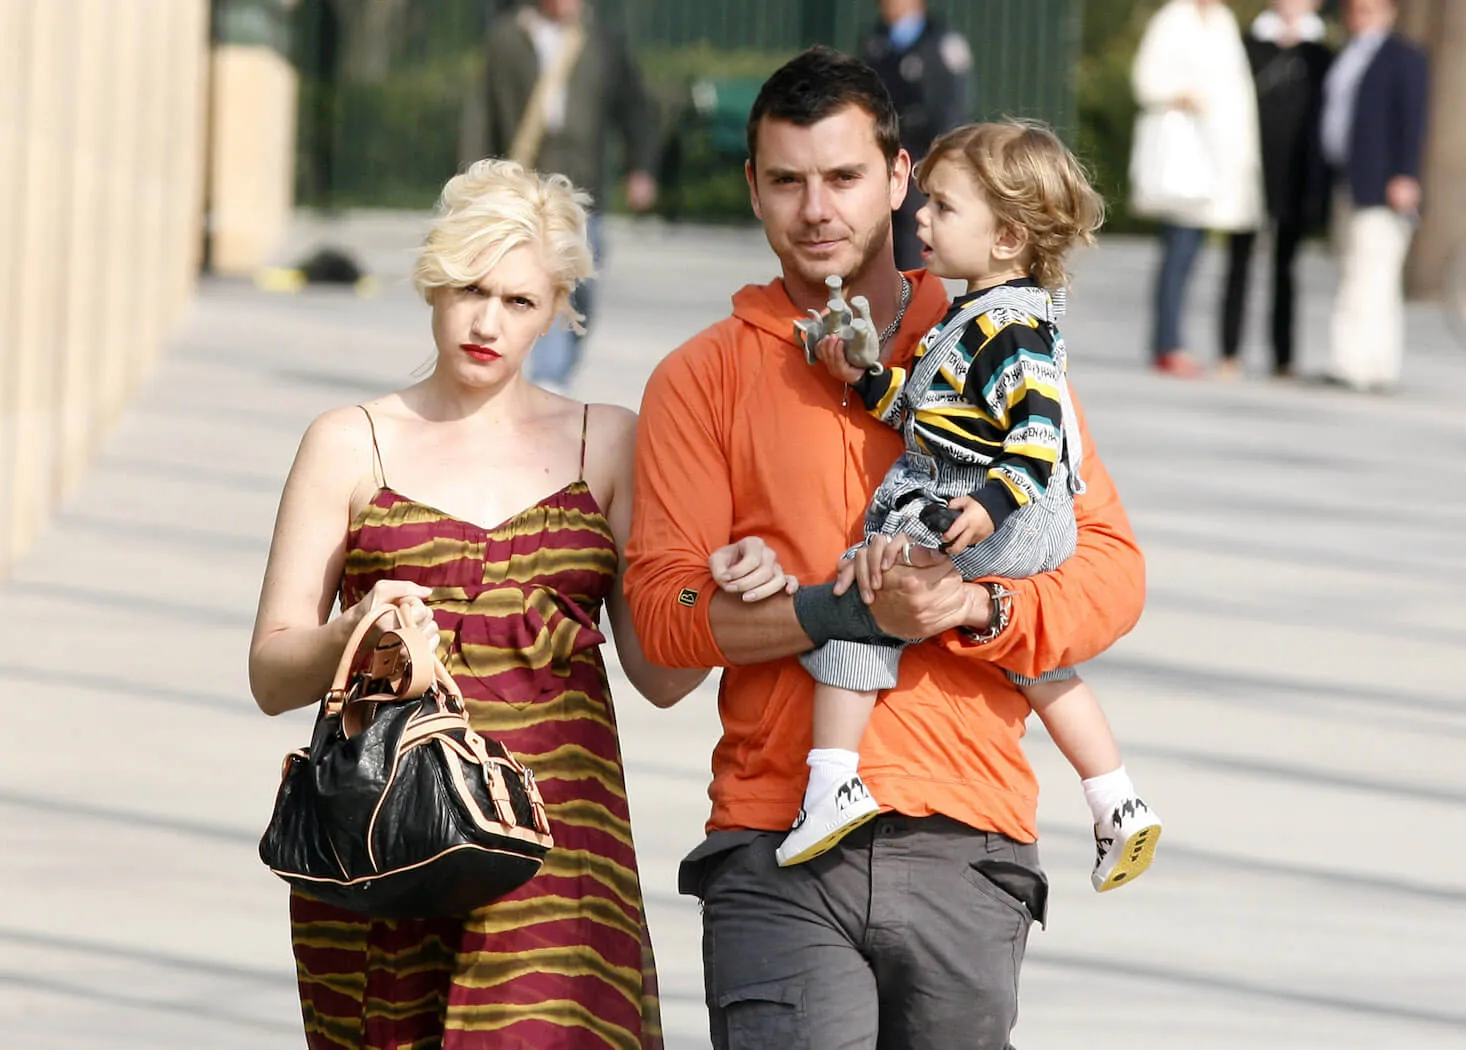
[829, 767]
[1105, 792]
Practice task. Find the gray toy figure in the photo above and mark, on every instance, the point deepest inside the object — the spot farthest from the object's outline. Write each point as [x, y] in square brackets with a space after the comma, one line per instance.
[851, 323]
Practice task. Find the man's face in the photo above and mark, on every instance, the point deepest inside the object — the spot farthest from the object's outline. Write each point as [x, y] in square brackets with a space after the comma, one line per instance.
[825, 195]
[560, 10]
[1363, 16]
[893, 10]
[1292, 10]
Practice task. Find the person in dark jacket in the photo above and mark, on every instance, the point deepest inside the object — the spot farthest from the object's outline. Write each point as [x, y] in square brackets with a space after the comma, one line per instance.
[1372, 132]
[593, 90]
[1289, 60]
[927, 69]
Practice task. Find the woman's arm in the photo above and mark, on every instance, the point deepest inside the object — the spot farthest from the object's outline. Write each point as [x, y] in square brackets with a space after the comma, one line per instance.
[663, 686]
[295, 650]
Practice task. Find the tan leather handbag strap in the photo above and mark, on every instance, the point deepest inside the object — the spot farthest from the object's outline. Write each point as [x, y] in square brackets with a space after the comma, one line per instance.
[445, 681]
[531, 131]
[422, 662]
[419, 677]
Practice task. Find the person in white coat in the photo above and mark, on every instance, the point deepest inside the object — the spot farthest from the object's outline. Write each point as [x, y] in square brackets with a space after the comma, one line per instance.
[1194, 87]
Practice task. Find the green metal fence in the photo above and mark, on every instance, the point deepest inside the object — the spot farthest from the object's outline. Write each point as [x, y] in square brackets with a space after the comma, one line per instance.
[1025, 51]
[384, 82]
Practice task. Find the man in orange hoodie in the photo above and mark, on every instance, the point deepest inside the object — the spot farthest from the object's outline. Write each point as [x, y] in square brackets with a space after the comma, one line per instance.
[910, 932]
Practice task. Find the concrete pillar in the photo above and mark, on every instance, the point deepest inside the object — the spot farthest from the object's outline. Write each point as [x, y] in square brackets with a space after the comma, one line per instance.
[38, 306]
[252, 147]
[188, 159]
[119, 226]
[102, 150]
[15, 20]
[81, 320]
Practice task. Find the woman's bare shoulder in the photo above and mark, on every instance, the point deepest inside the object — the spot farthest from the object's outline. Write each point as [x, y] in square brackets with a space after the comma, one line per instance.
[354, 424]
[610, 427]
[339, 430]
[610, 441]
[613, 417]
[339, 442]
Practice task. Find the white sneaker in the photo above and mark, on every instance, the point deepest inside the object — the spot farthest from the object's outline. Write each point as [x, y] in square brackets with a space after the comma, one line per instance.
[1125, 845]
[831, 818]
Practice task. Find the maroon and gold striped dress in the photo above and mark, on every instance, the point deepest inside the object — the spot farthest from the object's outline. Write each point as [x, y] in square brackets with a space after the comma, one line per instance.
[563, 963]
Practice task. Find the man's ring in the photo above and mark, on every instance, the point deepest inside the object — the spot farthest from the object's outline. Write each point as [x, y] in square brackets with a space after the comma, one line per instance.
[906, 554]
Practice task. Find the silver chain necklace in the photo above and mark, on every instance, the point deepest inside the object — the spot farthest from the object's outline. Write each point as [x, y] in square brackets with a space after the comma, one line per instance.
[891, 329]
[895, 326]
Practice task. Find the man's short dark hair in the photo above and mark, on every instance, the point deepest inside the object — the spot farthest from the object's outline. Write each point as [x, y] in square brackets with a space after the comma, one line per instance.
[818, 83]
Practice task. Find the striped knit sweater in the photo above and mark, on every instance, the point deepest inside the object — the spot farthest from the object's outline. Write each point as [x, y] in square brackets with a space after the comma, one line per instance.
[998, 399]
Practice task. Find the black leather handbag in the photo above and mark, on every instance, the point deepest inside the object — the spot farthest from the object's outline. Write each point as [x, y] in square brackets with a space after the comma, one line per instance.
[399, 809]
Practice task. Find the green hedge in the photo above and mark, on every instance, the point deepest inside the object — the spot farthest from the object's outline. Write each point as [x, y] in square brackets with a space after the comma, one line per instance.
[703, 153]
[392, 143]
[396, 140]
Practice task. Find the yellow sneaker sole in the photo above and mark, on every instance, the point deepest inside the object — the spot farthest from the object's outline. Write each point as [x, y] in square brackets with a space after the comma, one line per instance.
[1139, 851]
[829, 842]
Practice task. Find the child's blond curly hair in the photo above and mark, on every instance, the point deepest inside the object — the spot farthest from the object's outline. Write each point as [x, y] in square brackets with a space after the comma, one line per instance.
[1032, 182]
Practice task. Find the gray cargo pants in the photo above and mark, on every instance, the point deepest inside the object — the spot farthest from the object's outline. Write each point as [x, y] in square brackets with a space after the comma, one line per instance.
[908, 935]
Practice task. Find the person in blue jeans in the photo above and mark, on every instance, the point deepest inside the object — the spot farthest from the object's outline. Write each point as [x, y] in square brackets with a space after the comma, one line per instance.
[557, 353]
[1191, 62]
[563, 83]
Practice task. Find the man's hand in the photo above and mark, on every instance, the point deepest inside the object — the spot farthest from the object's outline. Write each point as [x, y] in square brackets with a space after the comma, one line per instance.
[915, 600]
[868, 565]
[1402, 194]
[750, 570]
[641, 191]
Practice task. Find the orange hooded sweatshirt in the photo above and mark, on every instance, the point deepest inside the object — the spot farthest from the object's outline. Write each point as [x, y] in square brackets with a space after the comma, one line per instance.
[740, 437]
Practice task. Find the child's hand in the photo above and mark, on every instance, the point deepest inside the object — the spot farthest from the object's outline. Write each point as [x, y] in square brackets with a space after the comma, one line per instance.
[973, 525]
[749, 568]
[831, 350]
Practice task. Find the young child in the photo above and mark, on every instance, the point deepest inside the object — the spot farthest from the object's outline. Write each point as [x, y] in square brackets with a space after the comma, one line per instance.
[991, 465]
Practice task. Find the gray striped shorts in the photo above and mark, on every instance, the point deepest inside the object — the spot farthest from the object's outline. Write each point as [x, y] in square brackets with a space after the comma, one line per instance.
[1035, 538]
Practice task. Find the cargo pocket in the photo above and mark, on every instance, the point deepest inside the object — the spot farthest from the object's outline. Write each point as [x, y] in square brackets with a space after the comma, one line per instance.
[768, 1016]
[1021, 888]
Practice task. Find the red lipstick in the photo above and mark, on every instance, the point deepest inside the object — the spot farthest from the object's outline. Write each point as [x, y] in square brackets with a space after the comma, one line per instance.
[479, 353]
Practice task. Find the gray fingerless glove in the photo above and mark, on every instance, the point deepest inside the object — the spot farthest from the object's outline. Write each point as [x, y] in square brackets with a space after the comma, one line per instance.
[825, 617]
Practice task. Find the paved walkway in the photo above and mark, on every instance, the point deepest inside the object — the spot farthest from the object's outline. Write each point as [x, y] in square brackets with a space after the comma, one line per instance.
[1292, 700]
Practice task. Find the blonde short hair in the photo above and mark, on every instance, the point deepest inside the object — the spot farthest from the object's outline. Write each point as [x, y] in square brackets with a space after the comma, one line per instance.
[491, 209]
[1031, 182]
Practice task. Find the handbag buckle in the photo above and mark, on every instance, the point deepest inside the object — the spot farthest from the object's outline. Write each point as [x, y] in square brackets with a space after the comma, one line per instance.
[499, 792]
[536, 803]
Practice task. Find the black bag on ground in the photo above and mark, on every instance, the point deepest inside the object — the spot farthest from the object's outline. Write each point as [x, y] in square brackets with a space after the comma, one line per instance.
[399, 809]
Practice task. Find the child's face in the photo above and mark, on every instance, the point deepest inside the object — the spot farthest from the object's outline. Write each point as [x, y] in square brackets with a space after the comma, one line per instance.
[960, 236]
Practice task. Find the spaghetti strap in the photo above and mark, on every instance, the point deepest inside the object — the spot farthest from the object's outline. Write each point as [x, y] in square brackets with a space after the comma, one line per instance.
[380, 472]
[584, 422]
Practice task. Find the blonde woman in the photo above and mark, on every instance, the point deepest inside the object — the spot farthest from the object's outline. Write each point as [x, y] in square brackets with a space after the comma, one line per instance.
[493, 513]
